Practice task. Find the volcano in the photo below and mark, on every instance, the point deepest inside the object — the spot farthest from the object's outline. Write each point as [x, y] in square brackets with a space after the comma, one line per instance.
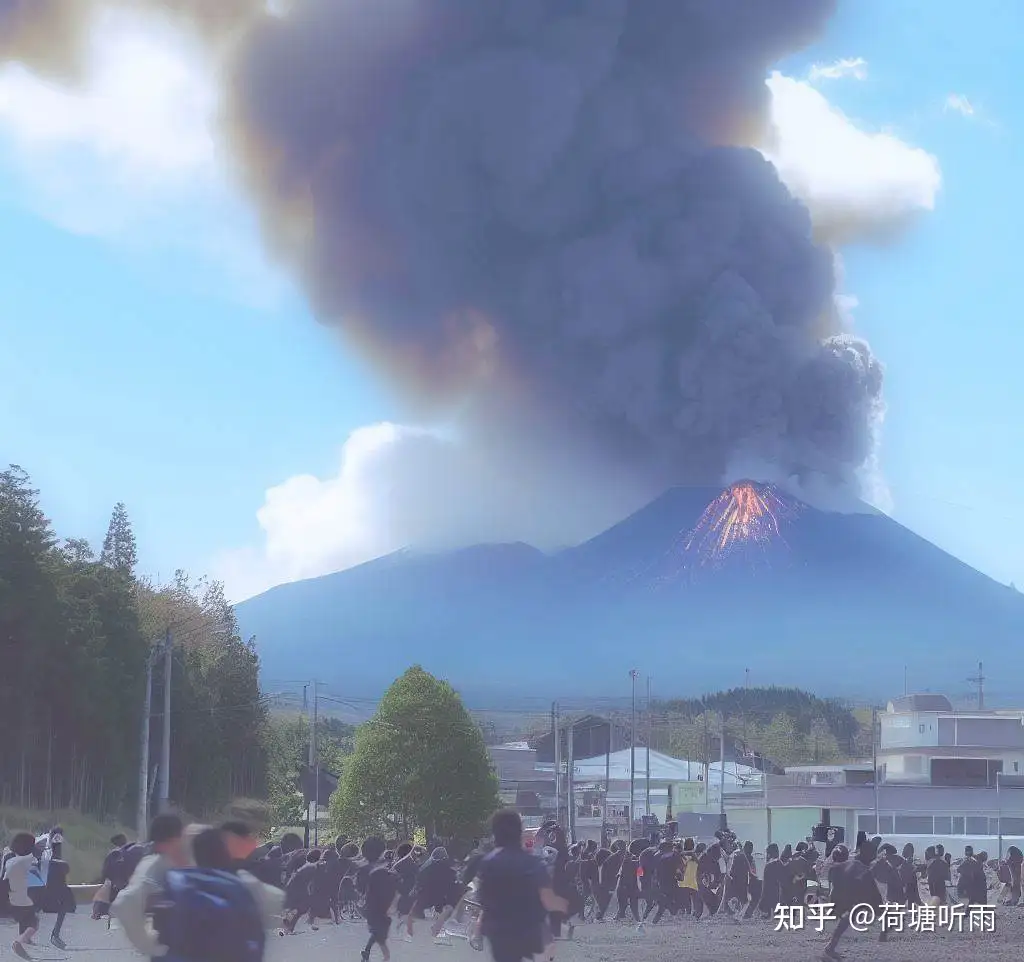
[694, 588]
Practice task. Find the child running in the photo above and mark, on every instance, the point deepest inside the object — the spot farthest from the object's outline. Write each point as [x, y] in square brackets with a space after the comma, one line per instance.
[16, 871]
[381, 897]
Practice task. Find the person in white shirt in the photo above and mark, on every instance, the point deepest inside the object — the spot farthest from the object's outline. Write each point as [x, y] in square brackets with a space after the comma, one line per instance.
[17, 871]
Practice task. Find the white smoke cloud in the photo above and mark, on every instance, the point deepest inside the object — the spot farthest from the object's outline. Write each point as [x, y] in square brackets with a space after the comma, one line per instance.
[959, 104]
[857, 184]
[856, 67]
[406, 487]
[399, 487]
[131, 154]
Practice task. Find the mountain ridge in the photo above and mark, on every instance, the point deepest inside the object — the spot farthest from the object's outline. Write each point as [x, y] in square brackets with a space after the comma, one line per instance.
[838, 602]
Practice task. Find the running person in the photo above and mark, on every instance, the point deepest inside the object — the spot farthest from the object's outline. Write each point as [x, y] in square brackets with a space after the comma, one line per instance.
[515, 894]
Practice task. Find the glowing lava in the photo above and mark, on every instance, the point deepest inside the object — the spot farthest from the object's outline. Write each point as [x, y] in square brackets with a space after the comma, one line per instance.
[744, 513]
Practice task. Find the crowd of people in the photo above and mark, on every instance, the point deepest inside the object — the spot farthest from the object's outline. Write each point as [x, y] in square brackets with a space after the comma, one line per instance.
[206, 894]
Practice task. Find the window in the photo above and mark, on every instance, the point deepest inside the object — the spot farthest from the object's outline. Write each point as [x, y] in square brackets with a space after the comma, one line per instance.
[920, 729]
[885, 825]
[958, 825]
[866, 823]
[913, 825]
[977, 825]
[1013, 825]
[943, 825]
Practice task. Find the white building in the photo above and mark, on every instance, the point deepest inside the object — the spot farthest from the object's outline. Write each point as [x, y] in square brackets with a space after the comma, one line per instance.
[944, 776]
[923, 741]
[675, 785]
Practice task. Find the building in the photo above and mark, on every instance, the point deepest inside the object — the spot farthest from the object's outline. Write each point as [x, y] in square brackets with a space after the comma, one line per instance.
[600, 789]
[924, 741]
[943, 776]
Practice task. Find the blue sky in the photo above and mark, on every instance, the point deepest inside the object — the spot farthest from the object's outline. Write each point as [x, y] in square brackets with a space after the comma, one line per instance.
[149, 354]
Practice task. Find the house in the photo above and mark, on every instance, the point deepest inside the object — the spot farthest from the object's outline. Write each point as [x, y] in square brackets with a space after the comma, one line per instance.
[943, 776]
[600, 789]
[924, 741]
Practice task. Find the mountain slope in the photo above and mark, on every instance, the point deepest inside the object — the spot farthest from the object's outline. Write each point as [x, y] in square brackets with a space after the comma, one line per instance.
[839, 603]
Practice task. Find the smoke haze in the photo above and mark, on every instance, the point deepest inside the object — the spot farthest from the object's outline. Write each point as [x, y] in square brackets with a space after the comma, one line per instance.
[548, 219]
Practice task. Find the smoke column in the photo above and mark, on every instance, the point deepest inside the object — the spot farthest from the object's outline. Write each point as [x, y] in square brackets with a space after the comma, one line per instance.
[547, 215]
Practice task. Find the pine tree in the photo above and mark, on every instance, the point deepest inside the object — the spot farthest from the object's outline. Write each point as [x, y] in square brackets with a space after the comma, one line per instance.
[119, 551]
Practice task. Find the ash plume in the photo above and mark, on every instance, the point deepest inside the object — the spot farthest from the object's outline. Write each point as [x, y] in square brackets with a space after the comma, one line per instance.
[548, 214]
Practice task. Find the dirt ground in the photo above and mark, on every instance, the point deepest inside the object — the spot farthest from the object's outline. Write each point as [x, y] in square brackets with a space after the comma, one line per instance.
[707, 941]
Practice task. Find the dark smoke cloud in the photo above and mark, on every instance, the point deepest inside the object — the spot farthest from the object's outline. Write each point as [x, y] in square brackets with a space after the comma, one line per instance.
[544, 211]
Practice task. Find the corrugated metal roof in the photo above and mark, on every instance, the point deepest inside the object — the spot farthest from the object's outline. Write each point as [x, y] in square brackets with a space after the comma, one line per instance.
[926, 702]
[899, 798]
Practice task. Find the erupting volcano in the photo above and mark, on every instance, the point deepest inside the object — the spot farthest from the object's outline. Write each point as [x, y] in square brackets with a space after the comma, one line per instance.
[744, 513]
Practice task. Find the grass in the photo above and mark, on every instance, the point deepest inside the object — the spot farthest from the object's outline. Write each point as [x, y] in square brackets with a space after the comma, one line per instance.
[86, 839]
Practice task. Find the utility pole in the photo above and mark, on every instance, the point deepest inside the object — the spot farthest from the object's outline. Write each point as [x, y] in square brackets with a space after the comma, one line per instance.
[721, 775]
[309, 760]
[979, 680]
[314, 764]
[570, 791]
[142, 812]
[650, 730]
[555, 741]
[874, 762]
[607, 784]
[706, 752]
[632, 751]
[164, 797]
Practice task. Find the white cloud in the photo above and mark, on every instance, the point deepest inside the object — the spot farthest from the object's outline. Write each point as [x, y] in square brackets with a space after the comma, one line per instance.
[855, 67]
[959, 104]
[399, 487]
[131, 153]
[857, 184]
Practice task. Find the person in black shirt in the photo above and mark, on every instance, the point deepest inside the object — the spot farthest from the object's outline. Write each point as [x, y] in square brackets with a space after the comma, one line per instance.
[381, 897]
[405, 868]
[515, 893]
[852, 885]
[298, 894]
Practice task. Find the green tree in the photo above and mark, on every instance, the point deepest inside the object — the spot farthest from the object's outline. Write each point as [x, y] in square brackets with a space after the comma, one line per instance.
[288, 753]
[420, 762]
[119, 549]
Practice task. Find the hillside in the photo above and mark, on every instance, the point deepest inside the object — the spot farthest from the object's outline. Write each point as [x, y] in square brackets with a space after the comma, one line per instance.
[838, 603]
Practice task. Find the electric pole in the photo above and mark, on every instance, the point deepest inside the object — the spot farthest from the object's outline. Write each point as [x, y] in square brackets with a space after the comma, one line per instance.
[979, 680]
[721, 775]
[142, 812]
[314, 763]
[556, 737]
[164, 793]
[632, 751]
[650, 729]
[570, 788]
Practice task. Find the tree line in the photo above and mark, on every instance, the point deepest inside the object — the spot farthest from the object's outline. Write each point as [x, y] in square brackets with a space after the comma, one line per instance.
[77, 631]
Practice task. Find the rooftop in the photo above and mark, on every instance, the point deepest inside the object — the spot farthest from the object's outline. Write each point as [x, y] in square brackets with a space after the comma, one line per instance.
[925, 702]
[664, 768]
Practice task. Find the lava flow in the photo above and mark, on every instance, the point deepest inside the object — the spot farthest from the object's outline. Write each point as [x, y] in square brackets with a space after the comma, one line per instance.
[744, 513]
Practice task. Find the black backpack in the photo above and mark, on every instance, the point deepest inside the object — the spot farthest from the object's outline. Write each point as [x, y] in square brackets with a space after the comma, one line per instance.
[209, 916]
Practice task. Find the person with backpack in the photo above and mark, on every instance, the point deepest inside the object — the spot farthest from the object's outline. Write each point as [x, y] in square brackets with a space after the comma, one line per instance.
[147, 884]
[211, 912]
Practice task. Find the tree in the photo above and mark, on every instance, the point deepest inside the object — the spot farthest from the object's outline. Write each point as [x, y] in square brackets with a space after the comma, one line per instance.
[119, 550]
[420, 762]
[697, 739]
[288, 753]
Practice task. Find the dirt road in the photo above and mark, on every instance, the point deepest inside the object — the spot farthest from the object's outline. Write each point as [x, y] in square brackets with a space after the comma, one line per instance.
[705, 941]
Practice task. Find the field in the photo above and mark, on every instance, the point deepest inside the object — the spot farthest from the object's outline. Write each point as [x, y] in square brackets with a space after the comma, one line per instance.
[713, 941]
